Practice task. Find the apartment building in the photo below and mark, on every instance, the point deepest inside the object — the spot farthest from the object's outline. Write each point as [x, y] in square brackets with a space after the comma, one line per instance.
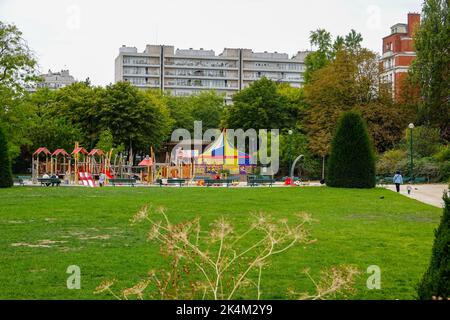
[53, 80]
[398, 53]
[187, 71]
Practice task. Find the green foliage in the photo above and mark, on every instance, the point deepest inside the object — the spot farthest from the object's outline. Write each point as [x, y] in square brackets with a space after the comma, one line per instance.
[207, 106]
[54, 133]
[106, 143]
[136, 119]
[426, 141]
[309, 167]
[352, 162]
[351, 81]
[392, 161]
[327, 50]
[436, 281]
[431, 68]
[17, 64]
[261, 106]
[386, 123]
[81, 104]
[6, 179]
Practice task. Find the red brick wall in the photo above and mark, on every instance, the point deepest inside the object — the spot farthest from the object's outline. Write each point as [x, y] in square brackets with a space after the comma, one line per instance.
[403, 61]
[413, 23]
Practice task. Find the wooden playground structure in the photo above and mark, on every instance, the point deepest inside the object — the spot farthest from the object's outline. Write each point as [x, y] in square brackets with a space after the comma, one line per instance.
[220, 159]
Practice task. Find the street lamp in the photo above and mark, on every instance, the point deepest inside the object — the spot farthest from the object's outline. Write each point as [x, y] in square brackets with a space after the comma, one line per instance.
[411, 160]
[290, 149]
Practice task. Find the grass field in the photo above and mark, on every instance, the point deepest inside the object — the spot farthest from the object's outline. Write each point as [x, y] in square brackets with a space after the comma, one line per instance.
[92, 230]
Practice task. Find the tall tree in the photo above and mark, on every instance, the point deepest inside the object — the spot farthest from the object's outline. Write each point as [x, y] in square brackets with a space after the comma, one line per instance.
[80, 104]
[136, 119]
[6, 179]
[17, 64]
[352, 160]
[351, 81]
[431, 68]
[207, 107]
[261, 106]
[326, 49]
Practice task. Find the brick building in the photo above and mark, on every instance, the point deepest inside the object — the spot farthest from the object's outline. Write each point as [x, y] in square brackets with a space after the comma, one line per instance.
[399, 53]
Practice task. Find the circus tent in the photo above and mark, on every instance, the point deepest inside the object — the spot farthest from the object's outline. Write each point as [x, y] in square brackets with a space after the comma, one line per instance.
[221, 152]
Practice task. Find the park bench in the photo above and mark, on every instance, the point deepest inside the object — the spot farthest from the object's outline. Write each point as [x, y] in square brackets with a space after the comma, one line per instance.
[49, 181]
[180, 182]
[201, 178]
[260, 180]
[119, 181]
[421, 180]
[21, 179]
[219, 182]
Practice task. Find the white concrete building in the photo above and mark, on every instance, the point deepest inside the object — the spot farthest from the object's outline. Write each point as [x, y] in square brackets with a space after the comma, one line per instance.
[56, 80]
[186, 72]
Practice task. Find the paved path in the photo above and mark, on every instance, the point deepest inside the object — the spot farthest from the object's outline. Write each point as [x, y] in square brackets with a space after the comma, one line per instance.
[426, 193]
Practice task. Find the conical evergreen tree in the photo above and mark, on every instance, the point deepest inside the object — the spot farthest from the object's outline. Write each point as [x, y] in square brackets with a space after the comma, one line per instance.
[6, 179]
[352, 159]
[436, 281]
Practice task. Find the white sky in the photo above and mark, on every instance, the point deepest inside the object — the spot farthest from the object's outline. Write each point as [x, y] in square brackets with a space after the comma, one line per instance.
[84, 36]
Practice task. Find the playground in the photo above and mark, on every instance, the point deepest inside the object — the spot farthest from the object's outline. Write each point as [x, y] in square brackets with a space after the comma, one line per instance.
[219, 164]
[44, 230]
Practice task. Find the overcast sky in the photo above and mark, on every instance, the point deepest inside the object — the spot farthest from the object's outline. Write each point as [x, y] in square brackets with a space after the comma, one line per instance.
[84, 36]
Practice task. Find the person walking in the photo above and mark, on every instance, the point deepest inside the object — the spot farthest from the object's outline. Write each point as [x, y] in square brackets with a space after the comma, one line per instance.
[101, 179]
[398, 180]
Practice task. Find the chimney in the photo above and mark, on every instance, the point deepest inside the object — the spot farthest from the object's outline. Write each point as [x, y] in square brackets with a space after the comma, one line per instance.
[413, 23]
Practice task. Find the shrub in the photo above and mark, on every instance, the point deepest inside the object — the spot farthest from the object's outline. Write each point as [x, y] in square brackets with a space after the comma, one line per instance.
[392, 161]
[435, 283]
[6, 180]
[352, 160]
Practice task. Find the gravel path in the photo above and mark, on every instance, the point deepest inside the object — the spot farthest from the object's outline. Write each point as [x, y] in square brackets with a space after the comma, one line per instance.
[426, 193]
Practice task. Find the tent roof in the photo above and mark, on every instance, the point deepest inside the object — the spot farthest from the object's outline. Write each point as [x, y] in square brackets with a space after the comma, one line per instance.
[40, 150]
[98, 152]
[146, 163]
[78, 150]
[222, 152]
[58, 152]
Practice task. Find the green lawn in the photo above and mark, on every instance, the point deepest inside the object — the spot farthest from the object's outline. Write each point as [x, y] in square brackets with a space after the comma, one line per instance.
[355, 227]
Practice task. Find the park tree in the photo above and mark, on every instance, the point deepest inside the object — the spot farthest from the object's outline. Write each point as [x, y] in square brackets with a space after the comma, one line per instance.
[435, 283]
[54, 133]
[352, 161]
[351, 81]
[17, 64]
[80, 104]
[180, 112]
[431, 68]
[17, 69]
[6, 179]
[326, 49]
[106, 143]
[137, 119]
[261, 106]
[426, 141]
[207, 107]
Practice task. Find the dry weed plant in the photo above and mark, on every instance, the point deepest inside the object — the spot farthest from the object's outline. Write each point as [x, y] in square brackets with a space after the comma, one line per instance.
[221, 263]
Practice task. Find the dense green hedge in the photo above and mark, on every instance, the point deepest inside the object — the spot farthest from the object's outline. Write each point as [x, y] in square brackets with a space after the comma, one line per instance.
[6, 179]
[436, 281]
[352, 159]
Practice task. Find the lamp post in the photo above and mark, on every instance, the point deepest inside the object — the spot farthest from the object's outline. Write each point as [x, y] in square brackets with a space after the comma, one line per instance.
[411, 159]
[290, 149]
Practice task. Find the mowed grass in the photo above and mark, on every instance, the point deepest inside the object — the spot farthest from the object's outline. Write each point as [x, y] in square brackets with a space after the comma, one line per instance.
[90, 228]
